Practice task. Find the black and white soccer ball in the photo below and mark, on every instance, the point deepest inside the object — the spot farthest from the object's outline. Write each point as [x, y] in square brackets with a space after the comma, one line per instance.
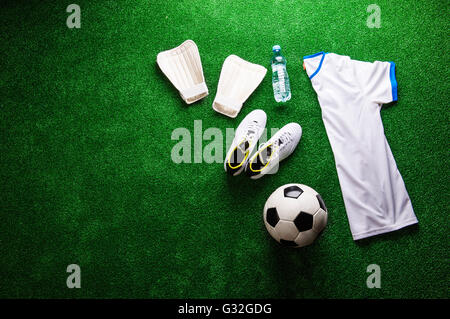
[295, 214]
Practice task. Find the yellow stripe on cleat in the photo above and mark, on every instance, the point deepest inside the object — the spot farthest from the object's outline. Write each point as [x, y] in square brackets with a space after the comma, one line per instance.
[256, 156]
[233, 152]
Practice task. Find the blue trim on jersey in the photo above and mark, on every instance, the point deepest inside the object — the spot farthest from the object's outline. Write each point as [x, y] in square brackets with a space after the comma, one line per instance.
[313, 55]
[393, 81]
[320, 64]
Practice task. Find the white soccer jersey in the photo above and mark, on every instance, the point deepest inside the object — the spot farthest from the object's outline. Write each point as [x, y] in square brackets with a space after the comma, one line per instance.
[351, 94]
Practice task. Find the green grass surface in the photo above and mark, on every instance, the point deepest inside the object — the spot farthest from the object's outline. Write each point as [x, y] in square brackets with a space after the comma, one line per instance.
[87, 177]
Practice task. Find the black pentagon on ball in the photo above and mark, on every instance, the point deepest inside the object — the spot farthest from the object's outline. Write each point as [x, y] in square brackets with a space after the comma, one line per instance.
[289, 243]
[321, 202]
[304, 221]
[292, 191]
[272, 216]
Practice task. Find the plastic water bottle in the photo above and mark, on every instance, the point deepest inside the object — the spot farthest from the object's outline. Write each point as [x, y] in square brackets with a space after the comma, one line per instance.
[280, 78]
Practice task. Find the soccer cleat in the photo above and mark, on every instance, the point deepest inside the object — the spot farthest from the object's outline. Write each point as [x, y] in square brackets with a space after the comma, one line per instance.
[277, 148]
[245, 139]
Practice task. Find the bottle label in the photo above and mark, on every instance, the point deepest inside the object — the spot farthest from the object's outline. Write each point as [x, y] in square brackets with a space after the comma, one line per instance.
[280, 73]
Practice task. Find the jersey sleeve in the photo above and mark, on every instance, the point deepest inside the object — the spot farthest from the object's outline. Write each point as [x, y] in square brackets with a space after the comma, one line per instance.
[377, 80]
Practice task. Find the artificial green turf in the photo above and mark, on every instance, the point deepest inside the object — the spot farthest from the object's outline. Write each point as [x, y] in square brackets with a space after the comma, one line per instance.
[86, 169]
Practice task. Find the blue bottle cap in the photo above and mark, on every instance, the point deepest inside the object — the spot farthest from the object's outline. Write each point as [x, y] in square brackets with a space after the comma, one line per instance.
[276, 48]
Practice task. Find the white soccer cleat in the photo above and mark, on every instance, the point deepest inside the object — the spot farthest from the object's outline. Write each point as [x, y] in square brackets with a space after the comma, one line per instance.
[277, 148]
[238, 79]
[245, 139]
[183, 67]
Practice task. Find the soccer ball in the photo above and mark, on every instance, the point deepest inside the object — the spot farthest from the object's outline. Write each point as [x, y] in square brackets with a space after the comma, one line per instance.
[294, 215]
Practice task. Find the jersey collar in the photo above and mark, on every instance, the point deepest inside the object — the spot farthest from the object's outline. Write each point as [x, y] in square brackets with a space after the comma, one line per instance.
[320, 63]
